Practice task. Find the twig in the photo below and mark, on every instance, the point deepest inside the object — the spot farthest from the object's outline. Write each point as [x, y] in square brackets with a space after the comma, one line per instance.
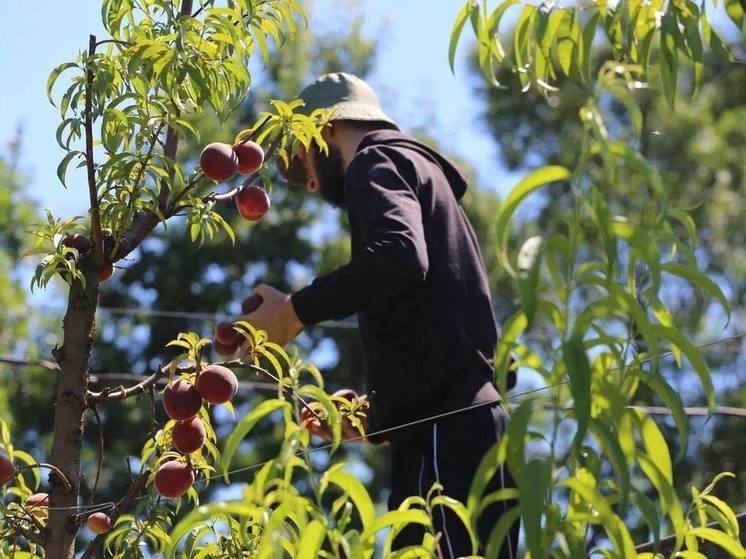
[116, 41]
[120, 507]
[90, 163]
[39, 538]
[666, 544]
[54, 469]
[51, 365]
[100, 463]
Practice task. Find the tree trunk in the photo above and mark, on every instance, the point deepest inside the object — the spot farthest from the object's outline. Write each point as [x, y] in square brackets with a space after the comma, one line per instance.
[70, 405]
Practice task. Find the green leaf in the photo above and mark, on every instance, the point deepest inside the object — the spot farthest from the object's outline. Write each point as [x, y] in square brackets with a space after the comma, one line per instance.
[672, 399]
[458, 26]
[734, 8]
[712, 39]
[56, 74]
[355, 489]
[512, 328]
[533, 493]
[614, 452]
[568, 41]
[62, 167]
[579, 372]
[642, 242]
[729, 544]
[693, 355]
[499, 534]
[649, 513]
[515, 449]
[311, 540]
[612, 524]
[655, 444]
[532, 182]
[589, 32]
[242, 429]
[669, 501]
[529, 265]
[200, 515]
[668, 58]
[699, 279]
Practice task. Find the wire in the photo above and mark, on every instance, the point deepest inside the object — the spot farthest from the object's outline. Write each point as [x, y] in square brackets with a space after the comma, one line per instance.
[694, 411]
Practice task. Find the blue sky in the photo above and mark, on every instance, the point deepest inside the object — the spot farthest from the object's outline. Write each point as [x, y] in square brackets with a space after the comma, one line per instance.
[412, 76]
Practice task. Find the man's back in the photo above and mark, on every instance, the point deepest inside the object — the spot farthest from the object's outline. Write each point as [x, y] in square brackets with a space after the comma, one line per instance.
[436, 325]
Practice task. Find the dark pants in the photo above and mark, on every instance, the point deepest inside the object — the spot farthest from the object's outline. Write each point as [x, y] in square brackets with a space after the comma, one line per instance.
[449, 450]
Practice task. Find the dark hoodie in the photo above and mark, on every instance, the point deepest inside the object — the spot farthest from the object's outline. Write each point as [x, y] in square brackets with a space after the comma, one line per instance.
[416, 279]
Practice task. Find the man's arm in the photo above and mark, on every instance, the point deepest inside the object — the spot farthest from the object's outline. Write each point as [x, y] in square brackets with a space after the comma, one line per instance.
[384, 208]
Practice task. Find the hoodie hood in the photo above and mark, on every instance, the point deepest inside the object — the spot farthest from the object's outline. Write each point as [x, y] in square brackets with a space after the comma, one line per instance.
[396, 139]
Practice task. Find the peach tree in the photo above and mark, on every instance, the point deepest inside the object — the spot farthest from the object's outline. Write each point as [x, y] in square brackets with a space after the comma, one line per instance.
[596, 282]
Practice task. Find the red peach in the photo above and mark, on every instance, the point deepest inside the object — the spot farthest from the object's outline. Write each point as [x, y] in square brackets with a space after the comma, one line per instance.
[251, 303]
[38, 504]
[181, 400]
[250, 157]
[173, 479]
[188, 436]
[79, 242]
[252, 202]
[106, 272]
[7, 469]
[99, 523]
[218, 161]
[226, 350]
[225, 333]
[217, 384]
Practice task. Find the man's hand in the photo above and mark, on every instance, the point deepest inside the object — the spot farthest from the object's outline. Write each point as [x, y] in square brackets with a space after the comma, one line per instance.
[276, 315]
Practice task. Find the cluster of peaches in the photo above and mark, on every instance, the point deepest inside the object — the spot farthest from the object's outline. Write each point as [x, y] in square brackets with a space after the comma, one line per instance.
[182, 401]
[221, 161]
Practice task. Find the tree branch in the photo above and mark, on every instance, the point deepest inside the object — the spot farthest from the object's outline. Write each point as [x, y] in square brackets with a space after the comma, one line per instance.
[90, 163]
[39, 538]
[120, 507]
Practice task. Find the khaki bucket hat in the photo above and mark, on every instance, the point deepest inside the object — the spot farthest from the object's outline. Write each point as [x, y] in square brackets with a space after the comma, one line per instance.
[349, 97]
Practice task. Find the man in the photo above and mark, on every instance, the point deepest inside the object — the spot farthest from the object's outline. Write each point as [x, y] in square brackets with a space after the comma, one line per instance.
[418, 284]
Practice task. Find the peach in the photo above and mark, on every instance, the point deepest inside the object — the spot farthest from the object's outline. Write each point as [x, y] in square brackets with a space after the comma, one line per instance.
[188, 436]
[252, 202]
[7, 469]
[173, 479]
[250, 157]
[99, 523]
[225, 333]
[251, 303]
[217, 384]
[181, 400]
[79, 242]
[218, 161]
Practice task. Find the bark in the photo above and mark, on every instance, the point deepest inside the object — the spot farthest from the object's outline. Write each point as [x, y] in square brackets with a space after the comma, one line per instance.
[70, 405]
